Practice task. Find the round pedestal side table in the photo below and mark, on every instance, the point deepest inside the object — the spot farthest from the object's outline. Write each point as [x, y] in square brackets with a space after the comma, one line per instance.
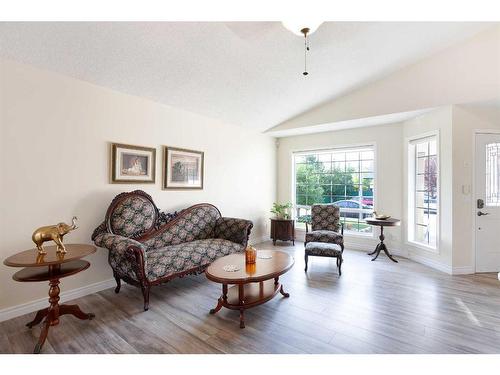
[381, 246]
[51, 267]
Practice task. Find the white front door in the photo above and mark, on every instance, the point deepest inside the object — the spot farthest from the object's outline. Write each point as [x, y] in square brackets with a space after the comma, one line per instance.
[487, 202]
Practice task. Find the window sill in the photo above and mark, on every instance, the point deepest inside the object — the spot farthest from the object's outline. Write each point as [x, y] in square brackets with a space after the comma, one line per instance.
[419, 245]
[346, 234]
[358, 235]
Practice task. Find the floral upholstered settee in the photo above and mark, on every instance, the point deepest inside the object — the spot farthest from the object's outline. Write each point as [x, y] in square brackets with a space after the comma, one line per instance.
[148, 247]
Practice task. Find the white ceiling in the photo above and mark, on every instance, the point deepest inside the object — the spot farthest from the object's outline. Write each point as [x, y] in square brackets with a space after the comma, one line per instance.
[244, 73]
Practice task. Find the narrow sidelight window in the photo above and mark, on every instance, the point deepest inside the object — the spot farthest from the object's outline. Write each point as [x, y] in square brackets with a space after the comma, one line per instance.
[423, 191]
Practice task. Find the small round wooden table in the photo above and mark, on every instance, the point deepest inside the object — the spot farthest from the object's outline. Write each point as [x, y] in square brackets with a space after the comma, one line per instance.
[51, 267]
[381, 246]
[253, 284]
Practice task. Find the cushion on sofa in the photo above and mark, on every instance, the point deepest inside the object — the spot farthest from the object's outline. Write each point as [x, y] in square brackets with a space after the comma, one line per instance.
[196, 223]
[131, 215]
[165, 261]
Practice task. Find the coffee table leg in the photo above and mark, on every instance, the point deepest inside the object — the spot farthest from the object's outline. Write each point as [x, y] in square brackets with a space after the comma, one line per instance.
[218, 307]
[286, 295]
[241, 298]
[221, 300]
[242, 318]
[276, 282]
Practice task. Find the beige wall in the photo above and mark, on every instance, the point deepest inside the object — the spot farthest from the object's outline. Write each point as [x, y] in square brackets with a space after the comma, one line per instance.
[54, 151]
[388, 199]
[467, 119]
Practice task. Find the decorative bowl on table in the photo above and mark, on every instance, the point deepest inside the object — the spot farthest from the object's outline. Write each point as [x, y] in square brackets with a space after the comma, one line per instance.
[380, 216]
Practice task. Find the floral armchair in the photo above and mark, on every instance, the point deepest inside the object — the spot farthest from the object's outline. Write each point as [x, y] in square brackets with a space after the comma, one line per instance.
[325, 225]
[148, 247]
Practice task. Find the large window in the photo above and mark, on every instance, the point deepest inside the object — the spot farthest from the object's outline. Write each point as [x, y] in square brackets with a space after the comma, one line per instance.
[344, 177]
[423, 191]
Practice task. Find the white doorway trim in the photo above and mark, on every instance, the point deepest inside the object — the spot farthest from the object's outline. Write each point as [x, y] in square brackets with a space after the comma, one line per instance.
[473, 190]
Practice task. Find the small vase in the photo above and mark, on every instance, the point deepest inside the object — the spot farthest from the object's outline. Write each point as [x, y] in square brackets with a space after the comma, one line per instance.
[250, 255]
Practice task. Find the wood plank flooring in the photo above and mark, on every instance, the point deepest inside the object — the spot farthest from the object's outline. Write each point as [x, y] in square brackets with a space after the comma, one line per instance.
[375, 307]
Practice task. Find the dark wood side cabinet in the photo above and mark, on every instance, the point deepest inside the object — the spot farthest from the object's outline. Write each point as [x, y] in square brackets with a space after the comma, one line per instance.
[283, 229]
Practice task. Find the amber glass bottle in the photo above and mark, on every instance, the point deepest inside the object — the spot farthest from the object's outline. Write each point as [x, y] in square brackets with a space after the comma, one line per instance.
[250, 255]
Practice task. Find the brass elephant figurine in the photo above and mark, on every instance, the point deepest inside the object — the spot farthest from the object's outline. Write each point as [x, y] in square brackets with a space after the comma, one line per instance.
[54, 233]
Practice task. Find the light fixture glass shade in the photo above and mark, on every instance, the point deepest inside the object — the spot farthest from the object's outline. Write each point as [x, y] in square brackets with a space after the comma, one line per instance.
[296, 26]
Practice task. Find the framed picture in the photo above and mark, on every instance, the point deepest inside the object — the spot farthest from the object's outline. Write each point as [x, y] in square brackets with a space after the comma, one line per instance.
[182, 169]
[132, 164]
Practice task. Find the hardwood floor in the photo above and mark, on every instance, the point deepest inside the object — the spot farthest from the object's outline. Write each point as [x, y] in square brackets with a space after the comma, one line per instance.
[375, 307]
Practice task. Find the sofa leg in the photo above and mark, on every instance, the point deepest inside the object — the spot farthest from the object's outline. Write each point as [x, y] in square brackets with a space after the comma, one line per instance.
[339, 264]
[306, 259]
[145, 293]
[118, 284]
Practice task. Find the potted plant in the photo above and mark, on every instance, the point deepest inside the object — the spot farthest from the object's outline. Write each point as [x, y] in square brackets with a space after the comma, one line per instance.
[281, 210]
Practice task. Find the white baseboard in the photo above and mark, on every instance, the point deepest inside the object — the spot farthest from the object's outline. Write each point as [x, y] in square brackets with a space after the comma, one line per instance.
[432, 263]
[259, 240]
[465, 270]
[29, 307]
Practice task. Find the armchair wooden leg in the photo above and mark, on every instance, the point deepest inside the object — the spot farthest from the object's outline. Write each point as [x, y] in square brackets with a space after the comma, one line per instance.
[306, 259]
[118, 283]
[145, 293]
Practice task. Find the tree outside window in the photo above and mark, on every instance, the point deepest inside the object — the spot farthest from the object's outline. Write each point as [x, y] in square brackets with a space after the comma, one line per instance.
[344, 177]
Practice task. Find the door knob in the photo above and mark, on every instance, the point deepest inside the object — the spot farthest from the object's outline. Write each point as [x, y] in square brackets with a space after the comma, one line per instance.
[479, 213]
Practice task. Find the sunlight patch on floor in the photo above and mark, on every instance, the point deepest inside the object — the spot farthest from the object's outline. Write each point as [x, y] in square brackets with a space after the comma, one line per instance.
[467, 311]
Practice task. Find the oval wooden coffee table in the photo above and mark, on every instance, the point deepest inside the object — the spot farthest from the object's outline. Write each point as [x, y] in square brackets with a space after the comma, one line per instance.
[253, 284]
[51, 267]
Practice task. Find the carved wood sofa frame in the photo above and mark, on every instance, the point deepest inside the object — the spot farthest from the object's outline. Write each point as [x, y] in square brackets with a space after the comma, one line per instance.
[161, 223]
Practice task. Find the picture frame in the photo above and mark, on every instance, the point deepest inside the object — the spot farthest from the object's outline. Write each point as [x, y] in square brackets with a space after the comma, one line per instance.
[182, 168]
[132, 164]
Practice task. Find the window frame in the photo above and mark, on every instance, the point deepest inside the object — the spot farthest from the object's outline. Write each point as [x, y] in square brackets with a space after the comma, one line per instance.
[411, 190]
[489, 179]
[334, 148]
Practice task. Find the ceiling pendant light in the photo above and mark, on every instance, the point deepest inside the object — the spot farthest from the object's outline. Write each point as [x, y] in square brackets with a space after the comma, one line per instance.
[300, 29]
[305, 31]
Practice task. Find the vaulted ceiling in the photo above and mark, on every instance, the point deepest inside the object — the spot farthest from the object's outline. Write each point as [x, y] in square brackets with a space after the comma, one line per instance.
[243, 73]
